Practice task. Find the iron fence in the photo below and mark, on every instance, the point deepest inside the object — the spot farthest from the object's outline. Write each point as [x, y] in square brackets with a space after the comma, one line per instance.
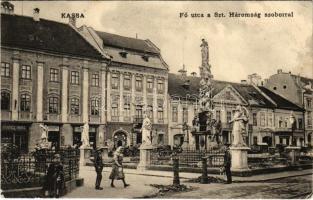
[189, 157]
[29, 170]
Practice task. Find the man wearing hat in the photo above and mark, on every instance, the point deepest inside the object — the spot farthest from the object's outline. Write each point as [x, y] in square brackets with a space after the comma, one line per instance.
[55, 177]
[99, 167]
[227, 163]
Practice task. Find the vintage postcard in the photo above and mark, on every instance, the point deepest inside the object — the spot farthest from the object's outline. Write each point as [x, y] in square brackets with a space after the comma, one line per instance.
[156, 99]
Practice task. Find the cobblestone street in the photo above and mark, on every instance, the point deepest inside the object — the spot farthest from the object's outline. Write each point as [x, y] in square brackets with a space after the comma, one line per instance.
[297, 186]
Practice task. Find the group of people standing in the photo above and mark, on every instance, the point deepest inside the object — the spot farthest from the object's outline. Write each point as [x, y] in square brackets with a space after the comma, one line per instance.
[117, 172]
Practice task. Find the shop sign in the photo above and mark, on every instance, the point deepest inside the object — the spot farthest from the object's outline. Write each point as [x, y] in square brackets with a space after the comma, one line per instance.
[53, 128]
[13, 128]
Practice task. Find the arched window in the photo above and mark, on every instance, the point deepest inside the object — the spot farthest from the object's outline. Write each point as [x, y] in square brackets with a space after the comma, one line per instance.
[25, 102]
[74, 106]
[94, 106]
[5, 100]
[53, 105]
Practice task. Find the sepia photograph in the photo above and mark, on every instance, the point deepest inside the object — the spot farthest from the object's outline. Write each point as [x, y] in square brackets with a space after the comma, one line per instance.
[157, 99]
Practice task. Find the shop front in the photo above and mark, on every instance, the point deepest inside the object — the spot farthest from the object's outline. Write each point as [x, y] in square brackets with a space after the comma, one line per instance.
[77, 133]
[15, 134]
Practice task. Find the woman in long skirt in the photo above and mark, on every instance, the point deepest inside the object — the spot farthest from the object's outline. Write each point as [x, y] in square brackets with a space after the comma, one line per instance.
[117, 167]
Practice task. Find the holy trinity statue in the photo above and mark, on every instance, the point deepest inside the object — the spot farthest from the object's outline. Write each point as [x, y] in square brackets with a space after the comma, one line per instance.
[240, 121]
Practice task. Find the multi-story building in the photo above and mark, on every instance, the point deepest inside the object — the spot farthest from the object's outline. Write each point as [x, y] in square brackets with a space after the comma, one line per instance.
[49, 75]
[136, 83]
[266, 109]
[298, 90]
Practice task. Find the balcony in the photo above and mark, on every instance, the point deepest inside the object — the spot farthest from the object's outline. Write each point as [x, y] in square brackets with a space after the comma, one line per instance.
[94, 119]
[5, 115]
[75, 118]
[52, 117]
[138, 119]
[25, 116]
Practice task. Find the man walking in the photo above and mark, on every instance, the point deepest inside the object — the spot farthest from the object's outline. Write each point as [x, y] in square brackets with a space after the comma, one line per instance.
[227, 164]
[99, 167]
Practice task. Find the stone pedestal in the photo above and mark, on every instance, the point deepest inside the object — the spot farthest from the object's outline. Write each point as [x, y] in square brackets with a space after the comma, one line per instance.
[145, 157]
[293, 153]
[85, 153]
[239, 159]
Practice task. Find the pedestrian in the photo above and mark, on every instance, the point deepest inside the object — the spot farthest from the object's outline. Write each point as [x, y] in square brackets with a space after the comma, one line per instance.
[227, 164]
[117, 167]
[54, 183]
[99, 167]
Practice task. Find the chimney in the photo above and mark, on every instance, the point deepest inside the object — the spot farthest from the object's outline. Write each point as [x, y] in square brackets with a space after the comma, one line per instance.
[244, 81]
[279, 71]
[7, 7]
[36, 14]
[72, 21]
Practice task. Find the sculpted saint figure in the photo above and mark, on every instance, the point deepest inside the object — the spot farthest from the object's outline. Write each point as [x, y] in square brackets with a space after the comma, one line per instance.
[44, 136]
[85, 135]
[239, 121]
[146, 130]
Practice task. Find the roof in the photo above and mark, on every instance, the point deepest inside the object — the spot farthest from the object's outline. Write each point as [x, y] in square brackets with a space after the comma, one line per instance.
[123, 42]
[280, 101]
[44, 35]
[248, 92]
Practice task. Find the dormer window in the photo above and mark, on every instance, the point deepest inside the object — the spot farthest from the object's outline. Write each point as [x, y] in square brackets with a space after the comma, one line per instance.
[145, 57]
[123, 53]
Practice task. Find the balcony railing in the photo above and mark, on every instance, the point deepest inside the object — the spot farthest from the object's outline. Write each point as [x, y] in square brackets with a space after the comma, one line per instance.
[53, 117]
[26, 116]
[5, 115]
[94, 118]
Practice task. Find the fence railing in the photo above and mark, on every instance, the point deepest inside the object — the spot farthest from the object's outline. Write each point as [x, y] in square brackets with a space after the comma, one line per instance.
[189, 157]
[29, 170]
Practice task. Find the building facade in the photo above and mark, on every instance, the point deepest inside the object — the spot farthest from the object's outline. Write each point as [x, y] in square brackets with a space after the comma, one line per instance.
[269, 121]
[49, 76]
[137, 82]
[298, 90]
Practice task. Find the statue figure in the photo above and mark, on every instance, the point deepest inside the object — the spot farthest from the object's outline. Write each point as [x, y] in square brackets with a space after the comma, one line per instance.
[205, 52]
[239, 121]
[44, 136]
[85, 135]
[146, 130]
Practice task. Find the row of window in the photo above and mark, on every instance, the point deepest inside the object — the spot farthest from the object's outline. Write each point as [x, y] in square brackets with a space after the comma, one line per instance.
[138, 83]
[138, 111]
[54, 74]
[53, 104]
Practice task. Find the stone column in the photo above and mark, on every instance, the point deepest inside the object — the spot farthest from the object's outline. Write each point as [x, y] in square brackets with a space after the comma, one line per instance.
[85, 93]
[239, 160]
[15, 88]
[121, 107]
[39, 91]
[108, 108]
[64, 110]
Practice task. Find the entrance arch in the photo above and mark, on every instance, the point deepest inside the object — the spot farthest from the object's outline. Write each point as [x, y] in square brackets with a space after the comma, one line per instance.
[120, 138]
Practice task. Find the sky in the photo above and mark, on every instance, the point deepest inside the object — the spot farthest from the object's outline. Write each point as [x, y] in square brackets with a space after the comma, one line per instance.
[238, 46]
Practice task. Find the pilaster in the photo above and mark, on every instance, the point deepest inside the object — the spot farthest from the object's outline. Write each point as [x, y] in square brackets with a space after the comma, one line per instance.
[133, 104]
[85, 92]
[103, 95]
[64, 101]
[121, 107]
[15, 88]
[108, 108]
[39, 91]
[155, 103]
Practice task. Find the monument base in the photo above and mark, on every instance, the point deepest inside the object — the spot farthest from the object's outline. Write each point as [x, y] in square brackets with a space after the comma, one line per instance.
[293, 154]
[239, 161]
[85, 153]
[145, 157]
